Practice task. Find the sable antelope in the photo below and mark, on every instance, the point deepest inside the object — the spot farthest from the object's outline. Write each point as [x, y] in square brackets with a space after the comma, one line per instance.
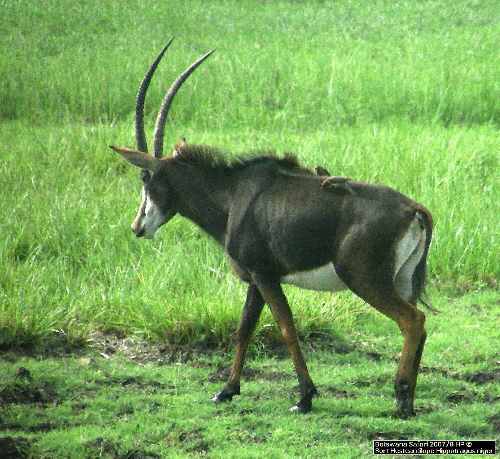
[279, 225]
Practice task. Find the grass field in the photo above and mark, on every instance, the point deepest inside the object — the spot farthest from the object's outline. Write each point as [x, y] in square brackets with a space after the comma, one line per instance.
[400, 93]
[126, 398]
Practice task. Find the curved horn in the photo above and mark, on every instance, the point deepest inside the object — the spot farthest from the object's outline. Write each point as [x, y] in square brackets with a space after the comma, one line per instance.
[140, 135]
[162, 114]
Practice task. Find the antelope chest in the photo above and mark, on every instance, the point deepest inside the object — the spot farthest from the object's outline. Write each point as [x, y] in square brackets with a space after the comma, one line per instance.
[323, 278]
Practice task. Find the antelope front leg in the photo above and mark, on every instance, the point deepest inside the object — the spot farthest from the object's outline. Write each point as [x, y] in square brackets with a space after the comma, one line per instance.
[251, 312]
[275, 298]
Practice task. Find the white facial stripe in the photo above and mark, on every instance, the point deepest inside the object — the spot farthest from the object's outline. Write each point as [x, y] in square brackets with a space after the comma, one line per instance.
[150, 206]
[153, 219]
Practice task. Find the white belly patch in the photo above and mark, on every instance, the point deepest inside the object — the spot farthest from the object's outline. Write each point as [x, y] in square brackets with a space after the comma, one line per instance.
[323, 278]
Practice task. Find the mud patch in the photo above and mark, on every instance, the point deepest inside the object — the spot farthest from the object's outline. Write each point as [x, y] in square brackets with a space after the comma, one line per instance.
[15, 447]
[112, 449]
[24, 392]
[479, 377]
[59, 345]
[193, 442]
[140, 455]
[20, 393]
[334, 345]
[462, 397]
[103, 445]
[146, 351]
[330, 391]
[483, 376]
[187, 354]
[43, 427]
[166, 354]
[143, 351]
[136, 382]
[439, 371]
[191, 435]
[374, 356]
[466, 395]
[142, 383]
[379, 381]
[427, 410]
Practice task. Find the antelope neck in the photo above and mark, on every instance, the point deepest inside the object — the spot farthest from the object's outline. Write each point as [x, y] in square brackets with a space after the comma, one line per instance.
[202, 198]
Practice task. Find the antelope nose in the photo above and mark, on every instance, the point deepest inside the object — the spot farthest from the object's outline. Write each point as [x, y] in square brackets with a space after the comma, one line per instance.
[139, 233]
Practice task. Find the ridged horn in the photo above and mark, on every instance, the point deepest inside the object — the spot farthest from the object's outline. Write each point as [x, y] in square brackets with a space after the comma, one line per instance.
[140, 135]
[167, 101]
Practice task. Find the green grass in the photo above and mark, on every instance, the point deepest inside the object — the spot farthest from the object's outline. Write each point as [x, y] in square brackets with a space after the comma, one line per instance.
[125, 398]
[69, 262]
[401, 93]
[298, 65]
[404, 94]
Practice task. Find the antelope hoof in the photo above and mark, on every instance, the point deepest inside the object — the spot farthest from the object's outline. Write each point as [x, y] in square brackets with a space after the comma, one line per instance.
[305, 404]
[299, 408]
[226, 395]
[404, 402]
[219, 398]
[404, 414]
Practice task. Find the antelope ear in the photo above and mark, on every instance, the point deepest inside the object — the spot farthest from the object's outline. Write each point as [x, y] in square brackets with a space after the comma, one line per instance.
[138, 158]
[320, 170]
[178, 147]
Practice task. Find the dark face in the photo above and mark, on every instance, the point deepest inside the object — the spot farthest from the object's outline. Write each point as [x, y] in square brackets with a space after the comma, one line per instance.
[157, 206]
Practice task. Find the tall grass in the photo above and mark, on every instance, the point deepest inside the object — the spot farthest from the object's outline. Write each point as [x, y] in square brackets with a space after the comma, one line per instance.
[297, 65]
[402, 93]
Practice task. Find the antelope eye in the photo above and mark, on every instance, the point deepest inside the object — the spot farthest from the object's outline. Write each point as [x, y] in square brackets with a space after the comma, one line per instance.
[145, 176]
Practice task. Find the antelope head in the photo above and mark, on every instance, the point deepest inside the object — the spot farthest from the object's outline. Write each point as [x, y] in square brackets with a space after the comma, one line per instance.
[158, 204]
